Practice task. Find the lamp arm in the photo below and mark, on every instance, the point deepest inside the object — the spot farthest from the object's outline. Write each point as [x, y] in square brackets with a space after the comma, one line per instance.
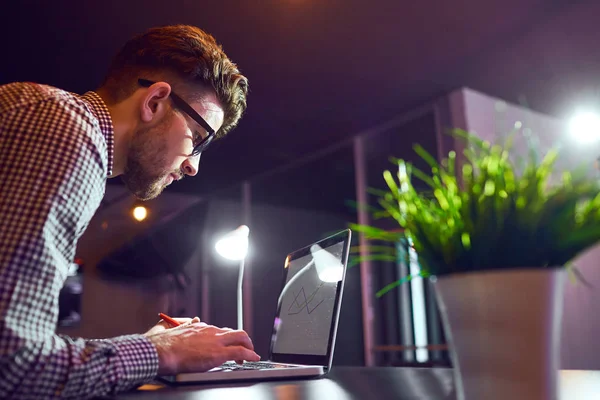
[240, 303]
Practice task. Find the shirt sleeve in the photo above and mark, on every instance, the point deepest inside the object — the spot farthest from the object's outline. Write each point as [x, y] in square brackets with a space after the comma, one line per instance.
[52, 173]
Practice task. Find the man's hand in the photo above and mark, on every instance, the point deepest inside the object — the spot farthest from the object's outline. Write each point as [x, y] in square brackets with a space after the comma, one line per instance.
[197, 347]
[163, 325]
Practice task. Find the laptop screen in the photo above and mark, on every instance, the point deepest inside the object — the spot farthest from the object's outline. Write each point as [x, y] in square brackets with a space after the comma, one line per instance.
[308, 305]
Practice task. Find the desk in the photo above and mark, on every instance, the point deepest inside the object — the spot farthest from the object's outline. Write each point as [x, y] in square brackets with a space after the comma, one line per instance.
[345, 383]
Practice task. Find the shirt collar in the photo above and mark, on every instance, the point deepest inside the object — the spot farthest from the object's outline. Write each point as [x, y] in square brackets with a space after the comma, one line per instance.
[100, 111]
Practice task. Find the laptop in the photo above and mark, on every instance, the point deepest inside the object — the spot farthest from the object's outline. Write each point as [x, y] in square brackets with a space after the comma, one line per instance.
[306, 321]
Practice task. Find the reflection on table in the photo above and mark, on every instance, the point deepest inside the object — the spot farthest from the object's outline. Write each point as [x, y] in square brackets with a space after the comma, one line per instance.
[345, 383]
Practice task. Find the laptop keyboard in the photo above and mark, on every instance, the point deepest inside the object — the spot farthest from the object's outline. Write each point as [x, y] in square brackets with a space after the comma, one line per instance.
[233, 366]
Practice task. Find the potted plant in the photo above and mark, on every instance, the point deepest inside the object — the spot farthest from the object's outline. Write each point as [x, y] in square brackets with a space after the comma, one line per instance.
[497, 240]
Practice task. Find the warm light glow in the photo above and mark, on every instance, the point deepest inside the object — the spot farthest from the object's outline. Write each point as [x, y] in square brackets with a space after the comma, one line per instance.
[234, 245]
[140, 213]
[329, 268]
[585, 127]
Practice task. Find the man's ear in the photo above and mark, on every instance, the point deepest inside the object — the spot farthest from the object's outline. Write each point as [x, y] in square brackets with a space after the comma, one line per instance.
[155, 102]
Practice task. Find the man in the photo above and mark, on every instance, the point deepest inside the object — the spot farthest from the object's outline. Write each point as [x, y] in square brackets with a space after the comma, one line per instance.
[167, 95]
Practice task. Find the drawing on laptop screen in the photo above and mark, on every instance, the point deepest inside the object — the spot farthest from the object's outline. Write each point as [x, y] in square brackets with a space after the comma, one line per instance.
[307, 304]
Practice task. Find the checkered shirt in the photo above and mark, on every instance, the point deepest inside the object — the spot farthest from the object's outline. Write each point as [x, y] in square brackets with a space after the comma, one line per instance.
[56, 152]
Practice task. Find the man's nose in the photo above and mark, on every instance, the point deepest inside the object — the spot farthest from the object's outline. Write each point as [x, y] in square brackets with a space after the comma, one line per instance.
[190, 165]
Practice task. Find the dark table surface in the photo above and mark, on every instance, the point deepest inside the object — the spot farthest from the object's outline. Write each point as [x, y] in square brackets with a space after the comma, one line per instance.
[344, 383]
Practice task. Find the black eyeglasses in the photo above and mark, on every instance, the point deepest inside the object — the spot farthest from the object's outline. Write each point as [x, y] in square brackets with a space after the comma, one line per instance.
[186, 108]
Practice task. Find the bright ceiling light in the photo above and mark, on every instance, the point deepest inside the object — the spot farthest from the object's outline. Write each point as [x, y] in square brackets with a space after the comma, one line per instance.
[140, 213]
[234, 245]
[585, 127]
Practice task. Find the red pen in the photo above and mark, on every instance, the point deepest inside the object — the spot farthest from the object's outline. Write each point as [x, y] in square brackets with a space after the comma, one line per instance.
[169, 319]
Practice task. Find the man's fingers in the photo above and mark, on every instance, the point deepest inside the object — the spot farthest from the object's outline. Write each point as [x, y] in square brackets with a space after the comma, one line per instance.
[184, 320]
[163, 325]
[241, 353]
[167, 324]
[237, 338]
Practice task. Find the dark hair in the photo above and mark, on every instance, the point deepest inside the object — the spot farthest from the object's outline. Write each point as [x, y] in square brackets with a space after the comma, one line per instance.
[186, 57]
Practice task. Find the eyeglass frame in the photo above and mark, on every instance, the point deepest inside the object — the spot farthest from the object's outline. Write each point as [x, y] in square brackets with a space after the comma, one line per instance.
[193, 114]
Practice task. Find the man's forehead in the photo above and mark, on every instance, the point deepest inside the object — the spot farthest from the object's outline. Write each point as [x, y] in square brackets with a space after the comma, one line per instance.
[207, 101]
[210, 109]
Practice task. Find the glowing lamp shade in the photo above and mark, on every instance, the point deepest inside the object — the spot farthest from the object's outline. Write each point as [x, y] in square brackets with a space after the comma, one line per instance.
[140, 213]
[234, 245]
[329, 268]
[585, 127]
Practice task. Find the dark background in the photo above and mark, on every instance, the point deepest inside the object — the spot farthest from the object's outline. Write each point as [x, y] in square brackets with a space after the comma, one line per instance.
[321, 71]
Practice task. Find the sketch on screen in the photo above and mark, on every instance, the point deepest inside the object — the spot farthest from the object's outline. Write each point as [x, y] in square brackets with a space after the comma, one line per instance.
[307, 304]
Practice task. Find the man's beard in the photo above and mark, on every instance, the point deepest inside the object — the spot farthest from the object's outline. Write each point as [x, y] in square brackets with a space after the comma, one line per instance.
[144, 175]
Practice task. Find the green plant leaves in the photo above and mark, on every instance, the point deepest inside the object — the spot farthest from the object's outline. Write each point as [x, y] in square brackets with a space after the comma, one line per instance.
[399, 282]
[486, 212]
